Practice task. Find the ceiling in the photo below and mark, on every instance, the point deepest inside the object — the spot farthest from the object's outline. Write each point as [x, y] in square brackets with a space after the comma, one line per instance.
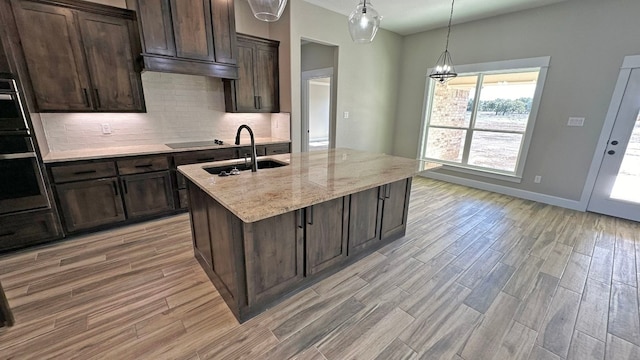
[407, 17]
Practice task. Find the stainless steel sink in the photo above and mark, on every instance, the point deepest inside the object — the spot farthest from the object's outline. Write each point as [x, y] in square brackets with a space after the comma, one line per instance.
[262, 164]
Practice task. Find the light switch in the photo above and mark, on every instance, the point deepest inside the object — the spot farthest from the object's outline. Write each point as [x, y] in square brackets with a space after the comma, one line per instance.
[346, 114]
[576, 121]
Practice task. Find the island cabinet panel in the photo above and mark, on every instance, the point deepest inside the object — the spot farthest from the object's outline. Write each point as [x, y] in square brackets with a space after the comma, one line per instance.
[395, 209]
[200, 226]
[224, 229]
[91, 203]
[326, 236]
[147, 194]
[365, 217]
[274, 254]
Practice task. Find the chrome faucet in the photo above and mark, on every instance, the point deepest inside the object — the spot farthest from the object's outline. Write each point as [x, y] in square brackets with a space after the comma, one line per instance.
[254, 161]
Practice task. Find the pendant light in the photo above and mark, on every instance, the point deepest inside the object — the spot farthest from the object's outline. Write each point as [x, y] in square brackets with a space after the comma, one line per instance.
[444, 71]
[364, 22]
[267, 10]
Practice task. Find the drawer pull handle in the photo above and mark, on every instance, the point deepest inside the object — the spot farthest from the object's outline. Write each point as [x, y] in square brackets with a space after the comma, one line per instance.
[115, 188]
[11, 233]
[144, 166]
[84, 172]
[86, 97]
[310, 215]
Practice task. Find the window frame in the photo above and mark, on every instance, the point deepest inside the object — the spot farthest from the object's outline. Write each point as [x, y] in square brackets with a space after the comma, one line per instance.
[481, 69]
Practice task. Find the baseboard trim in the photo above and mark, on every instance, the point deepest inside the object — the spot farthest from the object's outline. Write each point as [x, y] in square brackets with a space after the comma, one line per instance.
[505, 190]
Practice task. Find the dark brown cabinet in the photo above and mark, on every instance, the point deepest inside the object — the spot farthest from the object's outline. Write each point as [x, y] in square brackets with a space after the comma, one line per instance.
[188, 36]
[90, 203]
[28, 228]
[365, 219]
[276, 263]
[326, 234]
[80, 56]
[395, 208]
[257, 87]
[147, 194]
[4, 62]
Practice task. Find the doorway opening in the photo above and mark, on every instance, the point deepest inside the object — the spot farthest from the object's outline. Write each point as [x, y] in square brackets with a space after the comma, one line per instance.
[318, 95]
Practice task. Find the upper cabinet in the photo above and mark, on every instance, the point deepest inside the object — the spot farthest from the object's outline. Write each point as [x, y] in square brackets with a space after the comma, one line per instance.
[188, 36]
[80, 57]
[4, 63]
[257, 88]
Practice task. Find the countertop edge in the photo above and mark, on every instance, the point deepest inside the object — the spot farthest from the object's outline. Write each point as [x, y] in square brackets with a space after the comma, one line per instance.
[55, 157]
[308, 202]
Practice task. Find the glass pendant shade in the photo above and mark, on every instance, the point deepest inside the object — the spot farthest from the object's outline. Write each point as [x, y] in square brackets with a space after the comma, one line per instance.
[267, 10]
[364, 22]
[443, 71]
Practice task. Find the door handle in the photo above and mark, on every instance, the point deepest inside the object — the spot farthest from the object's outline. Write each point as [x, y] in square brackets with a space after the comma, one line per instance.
[97, 98]
[259, 102]
[611, 152]
[300, 219]
[115, 188]
[255, 102]
[387, 192]
[310, 215]
[124, 186]
[86, 96]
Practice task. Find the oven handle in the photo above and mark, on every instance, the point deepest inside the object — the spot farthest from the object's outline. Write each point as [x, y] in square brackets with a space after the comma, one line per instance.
[18, 156]
[8, 96]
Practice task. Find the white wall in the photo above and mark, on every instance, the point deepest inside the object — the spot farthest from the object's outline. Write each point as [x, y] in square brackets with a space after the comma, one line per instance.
[367, 78]
[587, 41]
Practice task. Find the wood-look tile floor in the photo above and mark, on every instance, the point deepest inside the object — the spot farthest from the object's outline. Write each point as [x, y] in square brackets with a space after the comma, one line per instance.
[478, 276]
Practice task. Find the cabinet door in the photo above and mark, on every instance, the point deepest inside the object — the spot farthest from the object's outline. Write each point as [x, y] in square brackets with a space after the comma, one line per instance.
[200, 223]
[54, 56]
[326, 236]
[192, 29]
[365, 216]
[87, 204]
[274, 256]
[116, 84]
[147, 194]
[155, 20]
[396, 202]
[266, 78]
[244, 87]
[4, 63]
[224, 30]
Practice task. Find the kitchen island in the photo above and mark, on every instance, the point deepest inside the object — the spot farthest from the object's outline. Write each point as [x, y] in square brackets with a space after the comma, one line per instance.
[261, 236]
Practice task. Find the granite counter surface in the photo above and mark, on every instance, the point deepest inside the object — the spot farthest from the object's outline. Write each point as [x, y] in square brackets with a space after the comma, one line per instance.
[122, 151]
[310, 178]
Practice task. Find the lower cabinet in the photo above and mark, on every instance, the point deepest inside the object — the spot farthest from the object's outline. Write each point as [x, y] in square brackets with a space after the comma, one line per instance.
[28, 228]
[256, 264]
[87, 204]
[325, 234]
[365, 219]
[147, 194]
[395, 208]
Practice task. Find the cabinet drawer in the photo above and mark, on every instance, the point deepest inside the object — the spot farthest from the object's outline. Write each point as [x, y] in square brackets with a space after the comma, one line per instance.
[275, 149]
[85, 171]
[143, 165]
[27, 229]
[205, 156]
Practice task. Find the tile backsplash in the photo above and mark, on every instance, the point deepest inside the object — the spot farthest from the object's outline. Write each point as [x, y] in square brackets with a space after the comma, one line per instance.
[180, 108]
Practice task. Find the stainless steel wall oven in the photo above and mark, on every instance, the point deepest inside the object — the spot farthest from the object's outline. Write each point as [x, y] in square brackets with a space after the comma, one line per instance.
[22, 186]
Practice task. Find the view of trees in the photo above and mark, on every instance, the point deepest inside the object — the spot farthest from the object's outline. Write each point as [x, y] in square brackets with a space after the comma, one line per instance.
[504, 106]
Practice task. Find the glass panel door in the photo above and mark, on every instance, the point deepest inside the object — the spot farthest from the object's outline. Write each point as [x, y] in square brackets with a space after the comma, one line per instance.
[617, 188]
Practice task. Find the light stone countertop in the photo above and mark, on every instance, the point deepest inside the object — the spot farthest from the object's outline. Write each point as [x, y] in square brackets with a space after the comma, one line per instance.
[310, 178]
[122, 151]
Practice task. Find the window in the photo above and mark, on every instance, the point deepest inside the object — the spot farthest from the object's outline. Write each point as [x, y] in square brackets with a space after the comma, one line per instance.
[482, 120]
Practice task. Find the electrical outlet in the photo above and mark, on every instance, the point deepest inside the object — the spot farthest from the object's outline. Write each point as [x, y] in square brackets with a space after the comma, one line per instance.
[575, 121]
[106, 129]
[537, 179]
[346, 114]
